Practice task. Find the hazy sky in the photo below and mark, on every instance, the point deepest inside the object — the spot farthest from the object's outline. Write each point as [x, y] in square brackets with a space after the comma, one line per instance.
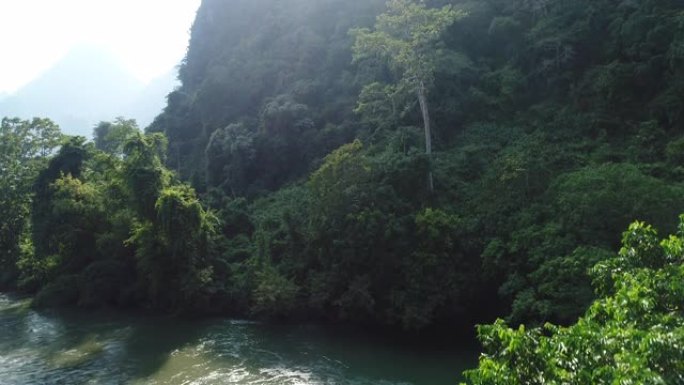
[149, 36]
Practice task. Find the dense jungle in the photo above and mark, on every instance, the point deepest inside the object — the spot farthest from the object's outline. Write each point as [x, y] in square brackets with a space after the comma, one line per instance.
[415, 166]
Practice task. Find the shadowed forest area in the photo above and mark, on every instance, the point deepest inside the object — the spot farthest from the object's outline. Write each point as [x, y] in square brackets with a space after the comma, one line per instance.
[412, 165]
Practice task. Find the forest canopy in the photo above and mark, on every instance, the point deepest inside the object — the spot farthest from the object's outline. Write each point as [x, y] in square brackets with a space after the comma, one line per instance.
[392, 164]
[306, 136]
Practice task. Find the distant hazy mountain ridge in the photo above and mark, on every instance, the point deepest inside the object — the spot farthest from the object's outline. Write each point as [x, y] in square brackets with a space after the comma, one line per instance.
[87, 86]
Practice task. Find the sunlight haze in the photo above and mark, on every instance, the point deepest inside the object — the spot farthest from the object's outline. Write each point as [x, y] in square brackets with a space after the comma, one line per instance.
[149, 37]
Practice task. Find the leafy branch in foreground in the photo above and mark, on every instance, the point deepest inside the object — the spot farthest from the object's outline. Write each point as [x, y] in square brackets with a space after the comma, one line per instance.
[633, 334]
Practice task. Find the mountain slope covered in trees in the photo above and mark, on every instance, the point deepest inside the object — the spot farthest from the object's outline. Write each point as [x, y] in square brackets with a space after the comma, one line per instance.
[287, 177]
[555, 124]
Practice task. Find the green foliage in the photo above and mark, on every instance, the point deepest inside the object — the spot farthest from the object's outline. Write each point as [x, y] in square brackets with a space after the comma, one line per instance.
[559, 288]
[437, 275]
[111, 137]
[24, 148]
[406, 37]
[59, 193]
[559, 123]
[551, 141]
[274, 295]
[105, 282]
[267, 88]
[348, 245]
[182, 230]
[62, 292]
[337, 182]
[144, 173]
[632, 334]
[111, 227]
[172, 232]
[615, 194]
[229, 153]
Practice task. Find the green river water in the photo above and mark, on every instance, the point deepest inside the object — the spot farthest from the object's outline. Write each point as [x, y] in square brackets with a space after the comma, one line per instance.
[78, 347]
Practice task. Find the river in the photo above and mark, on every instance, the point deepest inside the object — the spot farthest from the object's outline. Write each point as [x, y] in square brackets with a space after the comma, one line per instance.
[78, 347]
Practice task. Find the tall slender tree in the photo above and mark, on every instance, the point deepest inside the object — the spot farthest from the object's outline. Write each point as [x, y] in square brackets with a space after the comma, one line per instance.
[407, 38]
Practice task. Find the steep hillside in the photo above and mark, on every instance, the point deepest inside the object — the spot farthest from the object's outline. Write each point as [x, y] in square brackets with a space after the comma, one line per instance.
[279, 76]
[303, 127]
[555, 124]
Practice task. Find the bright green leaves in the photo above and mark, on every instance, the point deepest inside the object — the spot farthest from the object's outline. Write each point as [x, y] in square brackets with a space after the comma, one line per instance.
[406, 37]
[640, 247]
[633, 334]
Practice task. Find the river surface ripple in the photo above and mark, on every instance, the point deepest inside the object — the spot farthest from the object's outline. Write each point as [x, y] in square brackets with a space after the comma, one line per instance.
[79, 347]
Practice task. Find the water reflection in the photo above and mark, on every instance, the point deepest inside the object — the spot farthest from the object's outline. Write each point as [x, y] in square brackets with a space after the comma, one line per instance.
[109, 348]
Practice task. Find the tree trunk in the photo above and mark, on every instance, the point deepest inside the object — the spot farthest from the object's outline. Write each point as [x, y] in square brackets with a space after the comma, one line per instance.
[422, 100]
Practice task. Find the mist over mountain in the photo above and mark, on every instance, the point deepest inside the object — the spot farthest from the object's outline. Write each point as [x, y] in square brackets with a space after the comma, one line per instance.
[151, 100]
[88, 85]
